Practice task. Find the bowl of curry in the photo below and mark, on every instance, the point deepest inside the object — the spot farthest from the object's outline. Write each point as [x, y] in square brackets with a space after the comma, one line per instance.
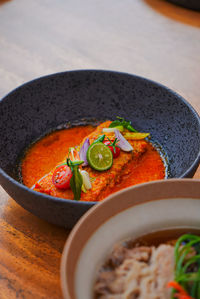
[69, 140]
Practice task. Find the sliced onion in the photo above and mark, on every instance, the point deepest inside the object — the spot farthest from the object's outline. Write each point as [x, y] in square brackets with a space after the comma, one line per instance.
[123, 143]
[83, 151]
[86, 179]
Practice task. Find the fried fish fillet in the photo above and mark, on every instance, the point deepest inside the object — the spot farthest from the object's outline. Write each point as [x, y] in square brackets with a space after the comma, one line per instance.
[103, 182]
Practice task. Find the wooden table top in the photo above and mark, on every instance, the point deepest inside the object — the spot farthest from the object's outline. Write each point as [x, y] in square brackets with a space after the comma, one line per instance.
[150, 38]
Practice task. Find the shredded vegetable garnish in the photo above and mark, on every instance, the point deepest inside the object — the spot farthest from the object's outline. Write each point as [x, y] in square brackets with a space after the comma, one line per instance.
[187, 267]
[73, 154]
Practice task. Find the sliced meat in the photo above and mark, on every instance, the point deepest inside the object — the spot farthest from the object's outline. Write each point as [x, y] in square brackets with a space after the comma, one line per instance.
[141, 272]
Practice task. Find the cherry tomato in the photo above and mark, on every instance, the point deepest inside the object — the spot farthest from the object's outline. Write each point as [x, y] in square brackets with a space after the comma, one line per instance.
[114, 149]
[61, 177]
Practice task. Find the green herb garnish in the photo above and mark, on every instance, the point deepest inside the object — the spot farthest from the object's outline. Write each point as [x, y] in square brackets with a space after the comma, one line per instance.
[120, 121]
[187, 264]
[76, 181]
[100, 139]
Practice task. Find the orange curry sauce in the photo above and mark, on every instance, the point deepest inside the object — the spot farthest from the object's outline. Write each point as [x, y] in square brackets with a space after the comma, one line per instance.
[49, 151]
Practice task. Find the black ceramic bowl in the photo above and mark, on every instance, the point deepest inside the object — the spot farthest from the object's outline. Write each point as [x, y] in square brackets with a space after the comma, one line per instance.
[191, 4]
[40, 105]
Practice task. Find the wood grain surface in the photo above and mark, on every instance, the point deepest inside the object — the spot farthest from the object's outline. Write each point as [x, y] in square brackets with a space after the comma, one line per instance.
[150, 38]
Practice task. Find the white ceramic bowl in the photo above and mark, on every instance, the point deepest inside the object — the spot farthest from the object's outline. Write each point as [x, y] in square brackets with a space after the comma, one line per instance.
[130, 213]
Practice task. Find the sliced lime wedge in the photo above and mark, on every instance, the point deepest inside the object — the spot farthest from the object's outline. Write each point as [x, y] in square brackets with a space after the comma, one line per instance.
[99, 156]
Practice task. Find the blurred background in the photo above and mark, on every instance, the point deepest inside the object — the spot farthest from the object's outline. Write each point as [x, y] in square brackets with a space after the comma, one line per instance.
[150, 38]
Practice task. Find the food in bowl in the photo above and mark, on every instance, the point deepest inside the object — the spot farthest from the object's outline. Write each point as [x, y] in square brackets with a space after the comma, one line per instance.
[42, 105]
[100, 161]
[147, 268]
[170, 208]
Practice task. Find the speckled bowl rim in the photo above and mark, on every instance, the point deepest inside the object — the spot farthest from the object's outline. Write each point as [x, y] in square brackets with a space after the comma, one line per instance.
[91, 203]
[99, 214]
